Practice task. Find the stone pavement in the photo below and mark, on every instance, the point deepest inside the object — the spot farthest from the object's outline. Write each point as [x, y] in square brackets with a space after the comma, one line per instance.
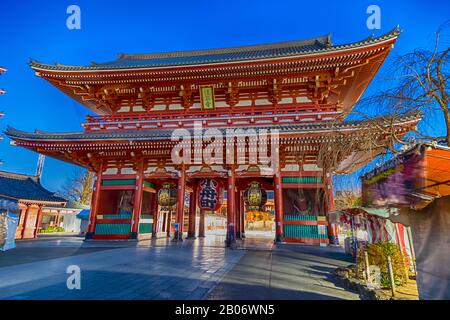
[160, 269]
[288, 272]
[123, 270]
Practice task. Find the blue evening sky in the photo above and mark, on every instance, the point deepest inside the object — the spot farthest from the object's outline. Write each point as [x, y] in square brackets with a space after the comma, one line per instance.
[37, 29]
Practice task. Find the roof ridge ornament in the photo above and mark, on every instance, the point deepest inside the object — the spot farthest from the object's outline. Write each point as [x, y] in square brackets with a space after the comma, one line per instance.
[329, 43]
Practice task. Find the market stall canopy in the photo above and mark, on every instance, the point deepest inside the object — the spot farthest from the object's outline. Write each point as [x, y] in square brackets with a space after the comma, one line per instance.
[83, 214]
[412, 179]
[385, 213]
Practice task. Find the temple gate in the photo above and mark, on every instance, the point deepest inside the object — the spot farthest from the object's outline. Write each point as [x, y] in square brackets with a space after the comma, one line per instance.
[284, 100]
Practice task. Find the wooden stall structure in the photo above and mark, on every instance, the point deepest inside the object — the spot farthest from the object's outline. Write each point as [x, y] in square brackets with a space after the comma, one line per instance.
[417, 183]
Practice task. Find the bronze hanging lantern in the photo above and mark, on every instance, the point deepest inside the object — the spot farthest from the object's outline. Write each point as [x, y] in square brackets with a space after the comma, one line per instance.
[255, 197]
[167, 196]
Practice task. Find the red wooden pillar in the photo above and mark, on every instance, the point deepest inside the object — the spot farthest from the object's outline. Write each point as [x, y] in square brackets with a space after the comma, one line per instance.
[25, 220]
[137, 201]
[237, 217]
[155, 212]
[278, 197]
[38, 221]
[192, 212]
[332, 228]
[58, 218]
[168, 221]
[242, 209]
[94, 204]
[231, 207]
[180, 203]
[201, 225]
[330, 192]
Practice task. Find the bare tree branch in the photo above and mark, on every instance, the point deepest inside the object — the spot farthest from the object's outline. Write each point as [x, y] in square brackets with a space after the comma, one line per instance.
[78, 187]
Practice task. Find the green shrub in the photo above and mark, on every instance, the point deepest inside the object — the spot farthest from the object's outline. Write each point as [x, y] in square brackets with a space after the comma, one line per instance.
[51, 229]
[377, 254]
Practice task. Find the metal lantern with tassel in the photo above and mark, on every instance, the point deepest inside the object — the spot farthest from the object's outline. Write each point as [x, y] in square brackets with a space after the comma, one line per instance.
[167, 196]
[255, 197]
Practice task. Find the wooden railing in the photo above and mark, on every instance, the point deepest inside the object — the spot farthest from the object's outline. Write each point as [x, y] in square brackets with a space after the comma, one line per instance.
[198, 113]
[180, 118]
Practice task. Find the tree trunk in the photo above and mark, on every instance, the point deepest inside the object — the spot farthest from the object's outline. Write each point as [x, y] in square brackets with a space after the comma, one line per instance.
[447, 126]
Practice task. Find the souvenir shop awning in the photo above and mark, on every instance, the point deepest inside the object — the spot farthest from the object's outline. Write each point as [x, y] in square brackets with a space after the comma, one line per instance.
[83, 214]
[384, 213]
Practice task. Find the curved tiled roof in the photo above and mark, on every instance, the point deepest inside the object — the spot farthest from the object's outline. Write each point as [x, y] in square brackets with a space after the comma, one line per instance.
[70, 205]
[207, 56]
[25, 187]
[163, 134]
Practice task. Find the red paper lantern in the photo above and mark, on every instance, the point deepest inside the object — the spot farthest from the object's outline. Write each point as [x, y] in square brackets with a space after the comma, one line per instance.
[209, 194]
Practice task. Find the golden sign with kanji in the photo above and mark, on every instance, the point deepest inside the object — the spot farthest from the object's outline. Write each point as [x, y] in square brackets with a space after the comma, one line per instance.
[207, 97]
